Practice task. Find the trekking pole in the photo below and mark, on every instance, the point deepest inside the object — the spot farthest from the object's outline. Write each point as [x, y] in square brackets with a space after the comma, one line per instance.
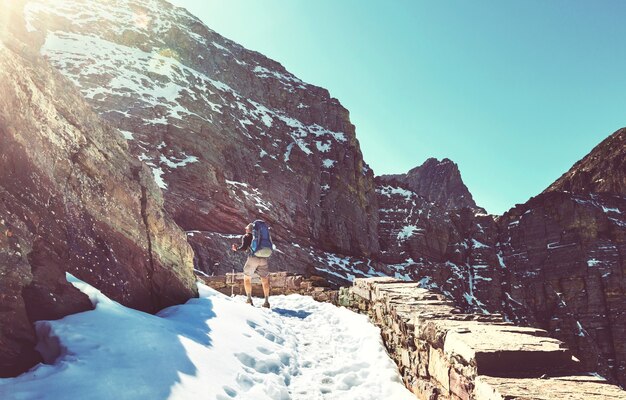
[232, 285]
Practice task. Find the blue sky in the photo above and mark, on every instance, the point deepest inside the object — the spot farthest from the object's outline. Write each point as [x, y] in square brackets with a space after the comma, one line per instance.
[515, 92]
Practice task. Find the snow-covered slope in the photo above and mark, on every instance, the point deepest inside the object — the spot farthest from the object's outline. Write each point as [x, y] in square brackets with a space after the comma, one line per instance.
[213, 347]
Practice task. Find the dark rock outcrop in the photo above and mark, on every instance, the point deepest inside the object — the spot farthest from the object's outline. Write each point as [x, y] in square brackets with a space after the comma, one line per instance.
[451, 250]
[72, 199]
[230, 135]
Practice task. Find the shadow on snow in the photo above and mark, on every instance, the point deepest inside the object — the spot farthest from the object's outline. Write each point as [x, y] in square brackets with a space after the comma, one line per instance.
[116, 352]
[291, 313]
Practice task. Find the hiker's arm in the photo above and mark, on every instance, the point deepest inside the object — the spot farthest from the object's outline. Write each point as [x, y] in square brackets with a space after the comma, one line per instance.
[246, 241]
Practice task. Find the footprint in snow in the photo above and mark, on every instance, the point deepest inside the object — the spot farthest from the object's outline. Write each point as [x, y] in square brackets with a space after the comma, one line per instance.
[260, 366]
[245, 382]
[230, 391]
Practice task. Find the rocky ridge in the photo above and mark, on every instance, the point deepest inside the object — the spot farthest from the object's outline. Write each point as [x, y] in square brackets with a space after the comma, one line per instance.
[443, 353]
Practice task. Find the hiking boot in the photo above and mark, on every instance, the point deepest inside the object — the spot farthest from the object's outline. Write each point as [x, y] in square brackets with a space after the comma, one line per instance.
[266, 304]
[249, 301]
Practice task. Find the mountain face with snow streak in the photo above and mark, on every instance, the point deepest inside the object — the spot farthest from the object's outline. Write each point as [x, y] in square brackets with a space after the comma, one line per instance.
[229, 134]
[555, 262]
[72, 199]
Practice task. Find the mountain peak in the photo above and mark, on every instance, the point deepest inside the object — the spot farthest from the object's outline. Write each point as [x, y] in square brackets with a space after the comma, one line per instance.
[603, 170]
[438, 182]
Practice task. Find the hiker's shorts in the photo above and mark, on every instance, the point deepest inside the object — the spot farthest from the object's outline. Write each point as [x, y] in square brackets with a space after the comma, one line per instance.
[256, 264]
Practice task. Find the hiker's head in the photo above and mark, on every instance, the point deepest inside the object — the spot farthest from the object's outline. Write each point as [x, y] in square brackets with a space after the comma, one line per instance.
[249, 228]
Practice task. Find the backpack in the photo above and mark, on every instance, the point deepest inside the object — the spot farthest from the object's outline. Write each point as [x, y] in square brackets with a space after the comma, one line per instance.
[261, 245]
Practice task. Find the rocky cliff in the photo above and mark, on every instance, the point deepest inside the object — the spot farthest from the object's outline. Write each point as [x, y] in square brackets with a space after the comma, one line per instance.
[555, 262]
[229, 134]
[72, 199]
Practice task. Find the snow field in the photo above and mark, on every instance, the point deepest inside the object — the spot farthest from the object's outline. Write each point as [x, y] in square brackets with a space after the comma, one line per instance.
[213, 347]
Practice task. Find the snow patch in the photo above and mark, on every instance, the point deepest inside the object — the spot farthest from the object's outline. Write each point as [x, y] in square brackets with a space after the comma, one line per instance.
[157, 172]
[408, 231]
[593, 262]
[389, 191]
[478, 245]
[581, 331]
[176, 163]
[328, 163]
[285, 78]
[500, 259]
[323, 147]
[249, 194]
[344, 267]
[127, 134]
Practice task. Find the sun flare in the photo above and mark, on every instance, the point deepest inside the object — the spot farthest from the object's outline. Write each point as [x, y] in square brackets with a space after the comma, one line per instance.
[142, 20]
[5, 17]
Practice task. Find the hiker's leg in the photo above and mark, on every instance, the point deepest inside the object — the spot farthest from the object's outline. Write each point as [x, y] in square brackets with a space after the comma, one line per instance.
[264, 273]
[247, 285]
[265, 282]
[248, 270]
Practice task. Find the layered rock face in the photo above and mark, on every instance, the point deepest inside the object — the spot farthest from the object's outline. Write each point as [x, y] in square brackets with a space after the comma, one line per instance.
[230, 135]
[568, 246]
[72, 199]
[555, 262]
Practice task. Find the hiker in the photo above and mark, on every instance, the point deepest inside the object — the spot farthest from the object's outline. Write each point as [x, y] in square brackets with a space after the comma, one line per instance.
[258, 244]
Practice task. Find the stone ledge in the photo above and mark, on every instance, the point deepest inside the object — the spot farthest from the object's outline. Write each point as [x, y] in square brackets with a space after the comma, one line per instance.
[445, 354]
[582, 387]
[281, 283]
[504, 350]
